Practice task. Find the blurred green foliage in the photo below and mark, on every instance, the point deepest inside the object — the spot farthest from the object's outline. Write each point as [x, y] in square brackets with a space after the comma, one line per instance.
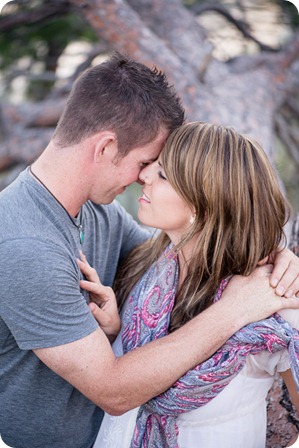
[41, 42]
[35, 40]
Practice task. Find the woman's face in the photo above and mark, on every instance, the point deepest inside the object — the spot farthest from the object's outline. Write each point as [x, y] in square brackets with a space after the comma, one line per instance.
[160, 206]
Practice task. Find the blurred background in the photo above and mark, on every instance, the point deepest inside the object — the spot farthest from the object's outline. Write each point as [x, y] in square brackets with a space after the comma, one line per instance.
[232, 62]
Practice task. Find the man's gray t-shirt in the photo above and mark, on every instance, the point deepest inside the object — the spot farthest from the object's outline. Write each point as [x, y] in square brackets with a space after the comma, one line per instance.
[41, 306]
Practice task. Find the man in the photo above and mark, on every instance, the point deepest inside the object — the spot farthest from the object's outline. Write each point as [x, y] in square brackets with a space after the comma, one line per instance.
[57, 368]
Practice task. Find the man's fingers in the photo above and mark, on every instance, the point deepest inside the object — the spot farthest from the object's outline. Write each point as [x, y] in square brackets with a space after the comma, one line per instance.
[96, 311]
[285, 274]
[285, 280]
[96, 288]
[293, 289]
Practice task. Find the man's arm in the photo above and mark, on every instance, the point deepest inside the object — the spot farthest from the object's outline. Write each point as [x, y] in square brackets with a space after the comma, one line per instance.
[119, 384]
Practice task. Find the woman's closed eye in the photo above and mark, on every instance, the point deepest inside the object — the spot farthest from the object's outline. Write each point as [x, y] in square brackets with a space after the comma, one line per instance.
[161, 175]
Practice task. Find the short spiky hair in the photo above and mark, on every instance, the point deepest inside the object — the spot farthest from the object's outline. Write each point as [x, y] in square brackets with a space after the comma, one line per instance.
[123, 96]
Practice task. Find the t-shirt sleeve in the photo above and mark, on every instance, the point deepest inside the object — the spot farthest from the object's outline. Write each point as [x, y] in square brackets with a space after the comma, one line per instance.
[41, 300]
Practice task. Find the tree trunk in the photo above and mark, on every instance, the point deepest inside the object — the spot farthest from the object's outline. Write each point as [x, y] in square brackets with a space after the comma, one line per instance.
[249, 93]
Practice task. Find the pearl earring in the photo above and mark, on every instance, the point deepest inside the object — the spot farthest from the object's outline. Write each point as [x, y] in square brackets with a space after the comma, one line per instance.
[192, 219]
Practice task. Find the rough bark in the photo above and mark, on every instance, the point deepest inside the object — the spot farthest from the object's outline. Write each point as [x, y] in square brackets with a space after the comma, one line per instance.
[257, 94]
[246, 93]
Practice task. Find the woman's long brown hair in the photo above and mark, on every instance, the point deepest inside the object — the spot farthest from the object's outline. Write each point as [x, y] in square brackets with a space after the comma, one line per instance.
[240, 213]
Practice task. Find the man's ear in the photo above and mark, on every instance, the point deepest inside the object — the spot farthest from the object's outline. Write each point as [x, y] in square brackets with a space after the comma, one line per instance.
[105, 144]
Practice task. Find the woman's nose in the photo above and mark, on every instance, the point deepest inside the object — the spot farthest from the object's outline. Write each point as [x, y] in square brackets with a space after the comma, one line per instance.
[144, 175]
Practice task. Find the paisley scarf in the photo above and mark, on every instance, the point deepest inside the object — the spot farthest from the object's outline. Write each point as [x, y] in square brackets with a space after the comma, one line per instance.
[147, 318]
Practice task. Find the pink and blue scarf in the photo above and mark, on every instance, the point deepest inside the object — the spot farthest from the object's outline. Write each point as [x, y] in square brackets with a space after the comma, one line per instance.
[147, 318]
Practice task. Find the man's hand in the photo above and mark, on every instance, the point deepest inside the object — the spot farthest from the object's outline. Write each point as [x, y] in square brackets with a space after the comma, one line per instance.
[285, 275]
[103, 303]
[253, 298]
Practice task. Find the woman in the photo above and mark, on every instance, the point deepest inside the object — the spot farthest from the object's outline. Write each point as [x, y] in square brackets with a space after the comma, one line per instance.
[215, 197]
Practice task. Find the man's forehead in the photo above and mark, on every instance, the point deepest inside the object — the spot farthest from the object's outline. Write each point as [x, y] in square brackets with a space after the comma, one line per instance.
[148, 153]
[151, 159]
[151, 150]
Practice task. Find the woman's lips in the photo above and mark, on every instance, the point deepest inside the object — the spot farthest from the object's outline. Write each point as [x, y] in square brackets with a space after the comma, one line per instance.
[144, 198]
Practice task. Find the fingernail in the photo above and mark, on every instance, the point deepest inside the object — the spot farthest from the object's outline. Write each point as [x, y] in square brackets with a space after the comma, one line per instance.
[280, 290]
[275, 282]
[92, 306]
[289, 293]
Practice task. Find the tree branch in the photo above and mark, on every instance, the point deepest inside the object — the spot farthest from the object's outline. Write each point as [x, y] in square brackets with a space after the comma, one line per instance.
[34, 15]
[241, 25]
[177, 26]
[114, 19]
